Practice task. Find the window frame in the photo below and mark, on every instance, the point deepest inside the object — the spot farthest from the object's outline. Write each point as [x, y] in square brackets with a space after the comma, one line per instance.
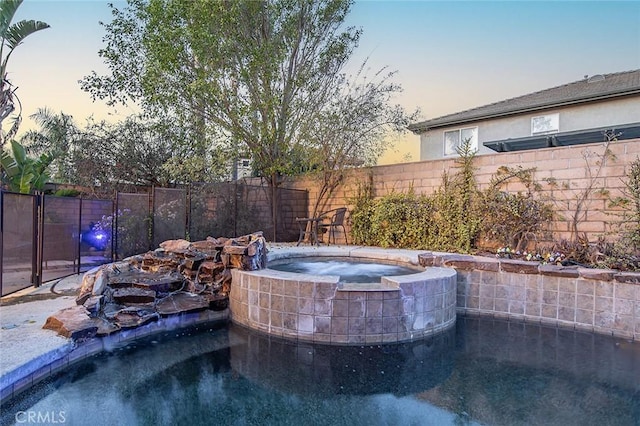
[474, 144]
[554, 120]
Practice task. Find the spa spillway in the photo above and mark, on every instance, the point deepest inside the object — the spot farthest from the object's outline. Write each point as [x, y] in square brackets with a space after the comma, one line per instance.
[344, 310]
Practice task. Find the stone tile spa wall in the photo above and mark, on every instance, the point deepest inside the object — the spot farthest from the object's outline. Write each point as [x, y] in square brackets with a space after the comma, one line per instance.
[320, 309]
[595, 300]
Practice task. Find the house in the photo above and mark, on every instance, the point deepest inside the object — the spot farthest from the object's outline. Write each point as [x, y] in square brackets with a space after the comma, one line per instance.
[574, 113]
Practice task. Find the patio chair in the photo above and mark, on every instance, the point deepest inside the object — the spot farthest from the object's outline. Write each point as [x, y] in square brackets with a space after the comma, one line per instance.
[336, 219]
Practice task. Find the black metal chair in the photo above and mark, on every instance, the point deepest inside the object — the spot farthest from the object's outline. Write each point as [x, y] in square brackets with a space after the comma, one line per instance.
[335, 219]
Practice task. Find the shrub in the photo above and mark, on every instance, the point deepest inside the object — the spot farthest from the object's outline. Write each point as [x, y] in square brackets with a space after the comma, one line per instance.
[457, 217]
[514, 219]
[402, 220]
[447, 220]
[360, 216]
[67, 192]
[624, 254]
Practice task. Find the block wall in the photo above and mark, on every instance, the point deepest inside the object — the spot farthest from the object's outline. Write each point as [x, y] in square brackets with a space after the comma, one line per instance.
[572, 168]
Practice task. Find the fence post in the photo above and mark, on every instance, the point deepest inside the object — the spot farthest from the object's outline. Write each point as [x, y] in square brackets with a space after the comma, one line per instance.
[152, 218]
[235, 207]
[38, 230]
[79, 236]
[187, 215]
[114, 228]
[1, 239]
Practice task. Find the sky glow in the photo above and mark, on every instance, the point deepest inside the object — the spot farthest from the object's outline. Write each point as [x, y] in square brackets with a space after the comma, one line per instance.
[449, 56]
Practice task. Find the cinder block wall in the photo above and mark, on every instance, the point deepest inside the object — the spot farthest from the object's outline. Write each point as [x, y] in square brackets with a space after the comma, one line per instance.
[573, 168]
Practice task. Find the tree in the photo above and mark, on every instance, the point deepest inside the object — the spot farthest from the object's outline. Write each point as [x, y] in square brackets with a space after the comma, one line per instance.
[351, 129]
[56, 137]
[110, 155]
[260, 71]
[21, 173]
[12, 36]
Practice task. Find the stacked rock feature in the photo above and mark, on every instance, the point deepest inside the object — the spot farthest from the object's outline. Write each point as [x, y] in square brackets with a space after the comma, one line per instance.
[180, 276]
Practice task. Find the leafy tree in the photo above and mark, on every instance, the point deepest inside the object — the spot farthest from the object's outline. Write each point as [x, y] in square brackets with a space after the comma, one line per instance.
[260, 71]
[12, 36]
[351, 130]
[131, 152]
[21, 173]
[56, 136]
[110, 155]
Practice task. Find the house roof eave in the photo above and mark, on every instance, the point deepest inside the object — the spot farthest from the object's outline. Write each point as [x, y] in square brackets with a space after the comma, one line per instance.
[425, 126]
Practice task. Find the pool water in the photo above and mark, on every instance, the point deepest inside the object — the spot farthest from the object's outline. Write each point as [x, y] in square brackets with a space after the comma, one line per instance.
[483, 371]
[348, 270]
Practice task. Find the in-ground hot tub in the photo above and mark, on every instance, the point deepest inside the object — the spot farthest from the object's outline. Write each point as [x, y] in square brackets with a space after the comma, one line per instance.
[327, 309]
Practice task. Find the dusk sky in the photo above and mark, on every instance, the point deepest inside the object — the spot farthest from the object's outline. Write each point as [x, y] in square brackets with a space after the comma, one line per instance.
[450, 56]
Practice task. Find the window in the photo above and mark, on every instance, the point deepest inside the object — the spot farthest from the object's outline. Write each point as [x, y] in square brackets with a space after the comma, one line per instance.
[454, 139]
[545, 124]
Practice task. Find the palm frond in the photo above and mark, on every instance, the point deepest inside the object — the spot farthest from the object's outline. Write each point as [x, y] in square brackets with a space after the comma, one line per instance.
[7, 11]
[17, 32]
[19, 153]
[9, 164]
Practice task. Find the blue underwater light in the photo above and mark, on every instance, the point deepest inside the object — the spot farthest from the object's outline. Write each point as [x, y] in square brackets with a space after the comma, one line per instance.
[96, 238]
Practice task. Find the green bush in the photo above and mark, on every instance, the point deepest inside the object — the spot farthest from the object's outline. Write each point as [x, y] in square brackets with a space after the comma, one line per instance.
[67, 192]
[446, 220]
[454, 217]
[624, 254]
[514, 219]
[401, 220]
[361, 214]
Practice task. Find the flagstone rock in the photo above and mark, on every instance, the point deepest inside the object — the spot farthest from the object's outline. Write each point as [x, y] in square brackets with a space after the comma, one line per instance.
[100, 283]
[133, 295]
[217, 302]
[132, 317]
[86, 289]
[73, 323]
[105, 326]
[181, 302]
[193, 260]
[175, 245]
[93, 305]
[158, 281]
[110, 310]
[178, 277]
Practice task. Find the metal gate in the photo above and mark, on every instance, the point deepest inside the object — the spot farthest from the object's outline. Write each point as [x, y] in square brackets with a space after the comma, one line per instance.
[17, 242]
[45, 237]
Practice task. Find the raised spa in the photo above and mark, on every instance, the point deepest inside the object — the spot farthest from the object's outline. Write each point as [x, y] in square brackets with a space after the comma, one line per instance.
[393, 306]
[348, 270]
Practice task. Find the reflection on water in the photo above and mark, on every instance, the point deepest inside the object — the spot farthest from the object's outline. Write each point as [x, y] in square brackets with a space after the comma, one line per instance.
[484, 371]
[348, 271]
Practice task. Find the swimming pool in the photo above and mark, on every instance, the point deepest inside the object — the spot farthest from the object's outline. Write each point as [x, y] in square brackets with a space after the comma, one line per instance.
[482, 371]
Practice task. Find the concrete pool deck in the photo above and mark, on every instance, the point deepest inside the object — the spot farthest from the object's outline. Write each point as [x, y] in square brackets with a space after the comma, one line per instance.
[25, 347]
[30, 354]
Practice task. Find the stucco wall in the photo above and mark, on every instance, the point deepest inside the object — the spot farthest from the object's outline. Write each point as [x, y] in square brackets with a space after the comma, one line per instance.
[569, 166]
[580, 117]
